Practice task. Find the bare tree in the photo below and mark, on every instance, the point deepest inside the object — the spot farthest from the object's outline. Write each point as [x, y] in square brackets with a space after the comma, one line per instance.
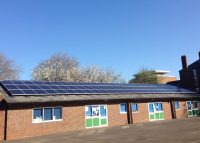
[59, 67]
[8, 69]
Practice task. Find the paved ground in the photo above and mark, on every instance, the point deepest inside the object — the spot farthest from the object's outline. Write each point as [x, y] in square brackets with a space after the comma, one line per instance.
[177, 131]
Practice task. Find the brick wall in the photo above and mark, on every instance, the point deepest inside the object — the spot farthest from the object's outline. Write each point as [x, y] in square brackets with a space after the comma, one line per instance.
[116, 118]
[165, 79]
[20, 122]
[142, 115]
[182, 111]
[2, 115]
[20, 118]
[167, 110]
[2, 124]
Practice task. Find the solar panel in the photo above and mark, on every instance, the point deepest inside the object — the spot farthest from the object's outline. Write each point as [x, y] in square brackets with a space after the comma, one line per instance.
[20, 87]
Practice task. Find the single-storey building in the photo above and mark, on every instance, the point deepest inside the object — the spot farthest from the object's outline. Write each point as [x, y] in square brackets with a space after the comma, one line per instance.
[33, 108]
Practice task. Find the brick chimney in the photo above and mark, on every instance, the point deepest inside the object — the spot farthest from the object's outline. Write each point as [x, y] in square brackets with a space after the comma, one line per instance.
[184, 62]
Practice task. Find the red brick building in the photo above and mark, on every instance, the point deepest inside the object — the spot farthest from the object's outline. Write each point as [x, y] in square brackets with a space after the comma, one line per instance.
[163, 77]
[27, 111]
[190, 74]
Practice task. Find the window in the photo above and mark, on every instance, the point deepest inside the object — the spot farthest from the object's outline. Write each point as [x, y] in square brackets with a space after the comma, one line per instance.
[189, 105]
[134, 107]
[160, 107]
[95, 110]
[37, 115]
[151, 109]
[123, 108]
[57, 113]
[103, 111]
[155, 107]
[47, 114]
[88, 110]
[194, 104]
[176, 105]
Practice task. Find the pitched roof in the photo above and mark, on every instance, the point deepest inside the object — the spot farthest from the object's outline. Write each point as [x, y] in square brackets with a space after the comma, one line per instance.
[18, 91]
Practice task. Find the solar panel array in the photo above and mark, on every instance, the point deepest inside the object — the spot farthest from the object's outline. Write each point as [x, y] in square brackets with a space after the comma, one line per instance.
[19, 87]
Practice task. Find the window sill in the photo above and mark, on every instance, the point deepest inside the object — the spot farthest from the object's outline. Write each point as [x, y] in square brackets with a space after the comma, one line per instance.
[134, 112]
[123, 112]
[48, 121]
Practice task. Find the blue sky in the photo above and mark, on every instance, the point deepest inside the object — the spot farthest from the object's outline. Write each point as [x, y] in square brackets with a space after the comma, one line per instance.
[123, 34]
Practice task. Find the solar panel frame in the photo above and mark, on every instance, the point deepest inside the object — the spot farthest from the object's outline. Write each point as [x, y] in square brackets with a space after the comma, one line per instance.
[15, 87]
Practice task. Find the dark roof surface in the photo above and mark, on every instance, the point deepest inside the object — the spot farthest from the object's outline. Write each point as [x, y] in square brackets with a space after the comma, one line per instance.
[194, 65]
[34, 88]
[18, 91]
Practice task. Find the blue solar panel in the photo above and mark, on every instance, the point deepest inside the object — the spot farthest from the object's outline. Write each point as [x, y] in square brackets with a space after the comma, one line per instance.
[16, 92]
[17, 87]
[10, 86]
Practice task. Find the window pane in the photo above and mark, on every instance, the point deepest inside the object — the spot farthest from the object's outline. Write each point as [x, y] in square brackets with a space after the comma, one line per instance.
[37, 114]
[47, 114]
[103, 111]
[58, 113]
[151, 110]
[189, 105]
[123, 107]
[95, 110]
[134, 107]
[88, 110]
[156, 106]
[160, 107]
[194, 105]
[176, 104]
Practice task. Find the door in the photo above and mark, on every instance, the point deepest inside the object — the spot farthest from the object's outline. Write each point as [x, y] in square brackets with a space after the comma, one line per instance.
[156, 111]
[192, 108]
[96, 116]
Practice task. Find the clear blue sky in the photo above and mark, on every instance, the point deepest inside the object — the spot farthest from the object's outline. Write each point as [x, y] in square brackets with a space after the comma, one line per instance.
[123, 34]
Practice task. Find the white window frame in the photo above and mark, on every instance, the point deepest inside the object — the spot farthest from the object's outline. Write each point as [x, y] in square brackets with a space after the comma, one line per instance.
[155, 111]
[99, 116]
[122, 112]
[137, 108]
[53, 117]
[178, 105]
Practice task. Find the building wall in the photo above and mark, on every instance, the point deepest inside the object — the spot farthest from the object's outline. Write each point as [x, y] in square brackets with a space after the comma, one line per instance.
[20, 118]
[20, 122]
[182, 111]
[142, 115]
[116, 118]
[165, 79]
[2, 124]
[2, 115]
[167, 110]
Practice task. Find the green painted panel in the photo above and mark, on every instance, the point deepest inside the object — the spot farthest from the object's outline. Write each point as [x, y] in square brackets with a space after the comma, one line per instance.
[162, 115]
[95, 121]
[88, 122]
[197, 112]
[193, 112]
[103, 121]
[157, 115]
[190, 113]
[151, 116]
